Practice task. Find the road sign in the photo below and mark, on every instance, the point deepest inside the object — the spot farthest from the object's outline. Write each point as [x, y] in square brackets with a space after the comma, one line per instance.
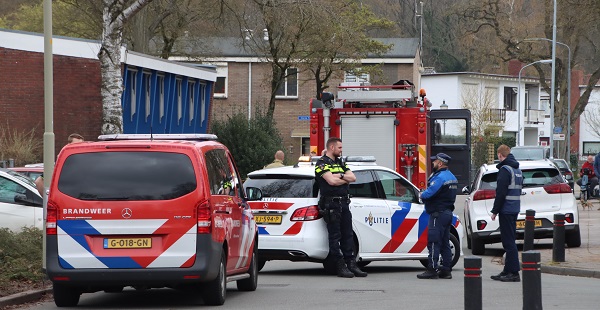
[304, 118]
[557, 129]
[559, 136]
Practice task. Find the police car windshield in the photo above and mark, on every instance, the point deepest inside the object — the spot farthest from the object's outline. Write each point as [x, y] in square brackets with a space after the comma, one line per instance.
[127, 176]
[531, 178]
[284, 186]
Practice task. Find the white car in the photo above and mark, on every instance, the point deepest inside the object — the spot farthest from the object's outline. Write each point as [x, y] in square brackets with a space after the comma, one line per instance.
[544, 190]
[20, 202]
[388, 220]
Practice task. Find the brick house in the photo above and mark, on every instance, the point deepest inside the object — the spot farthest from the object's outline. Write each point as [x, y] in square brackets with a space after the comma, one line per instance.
[177, 96]
[243, 85]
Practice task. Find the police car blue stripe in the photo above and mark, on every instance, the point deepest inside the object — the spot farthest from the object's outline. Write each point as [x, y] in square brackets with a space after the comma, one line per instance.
[399, 215]
[262, 231]
[423, 221]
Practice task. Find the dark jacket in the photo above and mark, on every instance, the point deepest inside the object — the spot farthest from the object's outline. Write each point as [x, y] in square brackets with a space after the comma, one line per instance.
[440, 194]
[508, 187]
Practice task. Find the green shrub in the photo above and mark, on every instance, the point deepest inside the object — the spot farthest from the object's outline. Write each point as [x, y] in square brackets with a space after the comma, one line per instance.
[22, 146]
[20, 255]
[251, 142]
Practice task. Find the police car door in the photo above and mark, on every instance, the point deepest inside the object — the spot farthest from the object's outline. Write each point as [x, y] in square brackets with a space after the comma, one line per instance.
[370, 215]
[408, 221]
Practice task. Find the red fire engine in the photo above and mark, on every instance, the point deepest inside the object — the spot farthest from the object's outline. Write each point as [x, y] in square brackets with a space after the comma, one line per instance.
[393, 124]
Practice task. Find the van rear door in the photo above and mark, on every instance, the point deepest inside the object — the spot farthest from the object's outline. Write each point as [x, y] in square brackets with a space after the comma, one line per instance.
[123, 208]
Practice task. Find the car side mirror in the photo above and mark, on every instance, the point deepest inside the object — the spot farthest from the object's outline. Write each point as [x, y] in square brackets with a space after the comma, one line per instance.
[253, 193]
[466, 190]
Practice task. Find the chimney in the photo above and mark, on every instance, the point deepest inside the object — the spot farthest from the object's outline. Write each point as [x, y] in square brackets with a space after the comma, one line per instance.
[514, 66]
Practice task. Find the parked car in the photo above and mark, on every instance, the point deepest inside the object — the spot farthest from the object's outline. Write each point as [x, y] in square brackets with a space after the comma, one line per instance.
[149, 211]
[530, 152]
[544, 190]
[565, 170]
[388, 219]
[20, 202]
[32, 172]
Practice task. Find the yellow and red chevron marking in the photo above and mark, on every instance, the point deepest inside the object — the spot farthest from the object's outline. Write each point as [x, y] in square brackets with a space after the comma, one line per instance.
[422, 159]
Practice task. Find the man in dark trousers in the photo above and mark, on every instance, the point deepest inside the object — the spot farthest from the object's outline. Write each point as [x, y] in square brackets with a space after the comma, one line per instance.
[507, 206]
[333, 177]
[439, 198]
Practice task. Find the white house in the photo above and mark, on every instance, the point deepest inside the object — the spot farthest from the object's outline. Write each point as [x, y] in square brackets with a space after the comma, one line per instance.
[496, 98]
[589, 141]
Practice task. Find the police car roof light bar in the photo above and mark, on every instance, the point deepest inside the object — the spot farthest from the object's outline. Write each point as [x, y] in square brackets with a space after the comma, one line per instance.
[186, 136]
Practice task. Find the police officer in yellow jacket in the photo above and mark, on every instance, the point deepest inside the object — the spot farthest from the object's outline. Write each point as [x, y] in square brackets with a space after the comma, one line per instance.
[333, 177]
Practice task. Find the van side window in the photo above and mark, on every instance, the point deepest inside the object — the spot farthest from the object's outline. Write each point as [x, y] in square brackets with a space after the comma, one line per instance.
[220, 177]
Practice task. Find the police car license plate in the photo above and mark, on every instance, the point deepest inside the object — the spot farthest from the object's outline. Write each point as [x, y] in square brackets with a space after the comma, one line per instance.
[521, 224]
[127, 243]
[267, 219]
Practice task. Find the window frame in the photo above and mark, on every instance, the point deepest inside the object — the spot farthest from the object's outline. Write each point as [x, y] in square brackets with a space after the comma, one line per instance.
[286, 87]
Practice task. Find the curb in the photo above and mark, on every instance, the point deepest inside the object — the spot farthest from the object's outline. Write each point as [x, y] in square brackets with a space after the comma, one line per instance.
[574, 272]
[23, 297]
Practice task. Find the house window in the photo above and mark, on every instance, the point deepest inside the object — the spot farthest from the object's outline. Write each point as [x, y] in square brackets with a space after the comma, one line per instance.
[289, 88]
[191, 92]
[510, 98]
[353, 77]
[179, 102]
[132, 93]
[221, 82]
[147, 94]
[590, 148]
[161, 98]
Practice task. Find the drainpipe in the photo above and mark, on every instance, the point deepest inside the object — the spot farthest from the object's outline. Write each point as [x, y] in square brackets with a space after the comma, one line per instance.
[249, 89]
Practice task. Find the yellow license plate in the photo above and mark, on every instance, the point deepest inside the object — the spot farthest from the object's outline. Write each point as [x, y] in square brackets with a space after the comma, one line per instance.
[127, 243]
[521, 224]
[268, 219]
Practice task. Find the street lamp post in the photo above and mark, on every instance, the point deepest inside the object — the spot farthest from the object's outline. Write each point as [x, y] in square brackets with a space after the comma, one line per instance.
[545, 61]
[568, 142]
[444, 106]
[553, 95]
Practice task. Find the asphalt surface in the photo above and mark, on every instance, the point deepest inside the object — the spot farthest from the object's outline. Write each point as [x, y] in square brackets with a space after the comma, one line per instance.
[579, 262]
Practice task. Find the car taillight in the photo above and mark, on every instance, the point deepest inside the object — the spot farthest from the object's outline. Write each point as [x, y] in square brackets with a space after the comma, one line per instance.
[484, 194]
[204, 217]
[51, 217]
[560, 188]
[569, 218]
[310, 213]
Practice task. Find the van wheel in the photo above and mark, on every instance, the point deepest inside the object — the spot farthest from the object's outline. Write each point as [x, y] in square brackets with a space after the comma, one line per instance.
[261, 263]
[454, 248]
[573, 239]
[65, 296]
[251, 283]
[214, 291]
[477, 246]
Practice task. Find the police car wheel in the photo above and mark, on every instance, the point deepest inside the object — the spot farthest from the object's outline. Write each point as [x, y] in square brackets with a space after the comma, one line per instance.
[454, 247]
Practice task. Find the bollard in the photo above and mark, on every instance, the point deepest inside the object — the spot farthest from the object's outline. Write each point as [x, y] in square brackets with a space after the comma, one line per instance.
[532, 281]
[558, 238]
[11, 163]
[473, 299]
[529, 227]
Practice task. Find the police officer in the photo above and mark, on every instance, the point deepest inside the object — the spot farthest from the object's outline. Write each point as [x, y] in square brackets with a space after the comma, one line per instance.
[439, 198]
[507, 205]
[333, 177]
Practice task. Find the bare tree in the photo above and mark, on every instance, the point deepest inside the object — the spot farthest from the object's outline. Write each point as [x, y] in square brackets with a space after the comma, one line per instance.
[592, 117]
[115, 14]
[481, 101]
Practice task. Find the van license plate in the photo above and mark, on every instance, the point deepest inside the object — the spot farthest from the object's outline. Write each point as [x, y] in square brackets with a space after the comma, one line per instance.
[127, 243]
[267, 219]
[521, 224]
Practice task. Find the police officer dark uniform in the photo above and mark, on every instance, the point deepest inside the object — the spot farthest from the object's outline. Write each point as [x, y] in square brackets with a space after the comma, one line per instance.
[439, 198]
[333, 177]
[507, 205]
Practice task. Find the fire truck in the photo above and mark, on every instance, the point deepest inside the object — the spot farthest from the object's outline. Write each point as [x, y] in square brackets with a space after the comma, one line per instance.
[396, 126]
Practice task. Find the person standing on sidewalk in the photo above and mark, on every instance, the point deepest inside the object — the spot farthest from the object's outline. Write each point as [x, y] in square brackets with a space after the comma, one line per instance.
[507, 206]
[439, 198]
[334, 177]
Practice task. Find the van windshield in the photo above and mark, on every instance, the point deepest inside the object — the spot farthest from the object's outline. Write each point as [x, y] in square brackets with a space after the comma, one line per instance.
[127, 176]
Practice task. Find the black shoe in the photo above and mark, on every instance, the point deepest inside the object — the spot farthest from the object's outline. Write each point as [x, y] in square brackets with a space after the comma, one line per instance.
[511, 277]
[354, 269]
[498, 276]
[342, 270]
[445, 274]
[429, 274]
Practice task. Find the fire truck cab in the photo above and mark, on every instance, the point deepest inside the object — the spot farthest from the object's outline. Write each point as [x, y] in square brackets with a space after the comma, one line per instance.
[392, 124]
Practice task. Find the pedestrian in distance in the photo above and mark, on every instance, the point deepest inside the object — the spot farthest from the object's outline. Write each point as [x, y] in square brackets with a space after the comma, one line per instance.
[278, 162]
[334, 177]
[588, 169]
[507, 205]
[439, 198]
[39, 181]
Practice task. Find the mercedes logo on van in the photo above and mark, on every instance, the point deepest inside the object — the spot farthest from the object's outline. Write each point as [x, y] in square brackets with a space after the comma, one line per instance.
[126, 213]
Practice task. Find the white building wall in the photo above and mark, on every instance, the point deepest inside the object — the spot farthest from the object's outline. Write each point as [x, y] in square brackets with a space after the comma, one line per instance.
[440, 88]
[586, 131]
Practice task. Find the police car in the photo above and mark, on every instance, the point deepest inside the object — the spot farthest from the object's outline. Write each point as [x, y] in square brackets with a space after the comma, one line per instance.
[544, 190]
[388, 219]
